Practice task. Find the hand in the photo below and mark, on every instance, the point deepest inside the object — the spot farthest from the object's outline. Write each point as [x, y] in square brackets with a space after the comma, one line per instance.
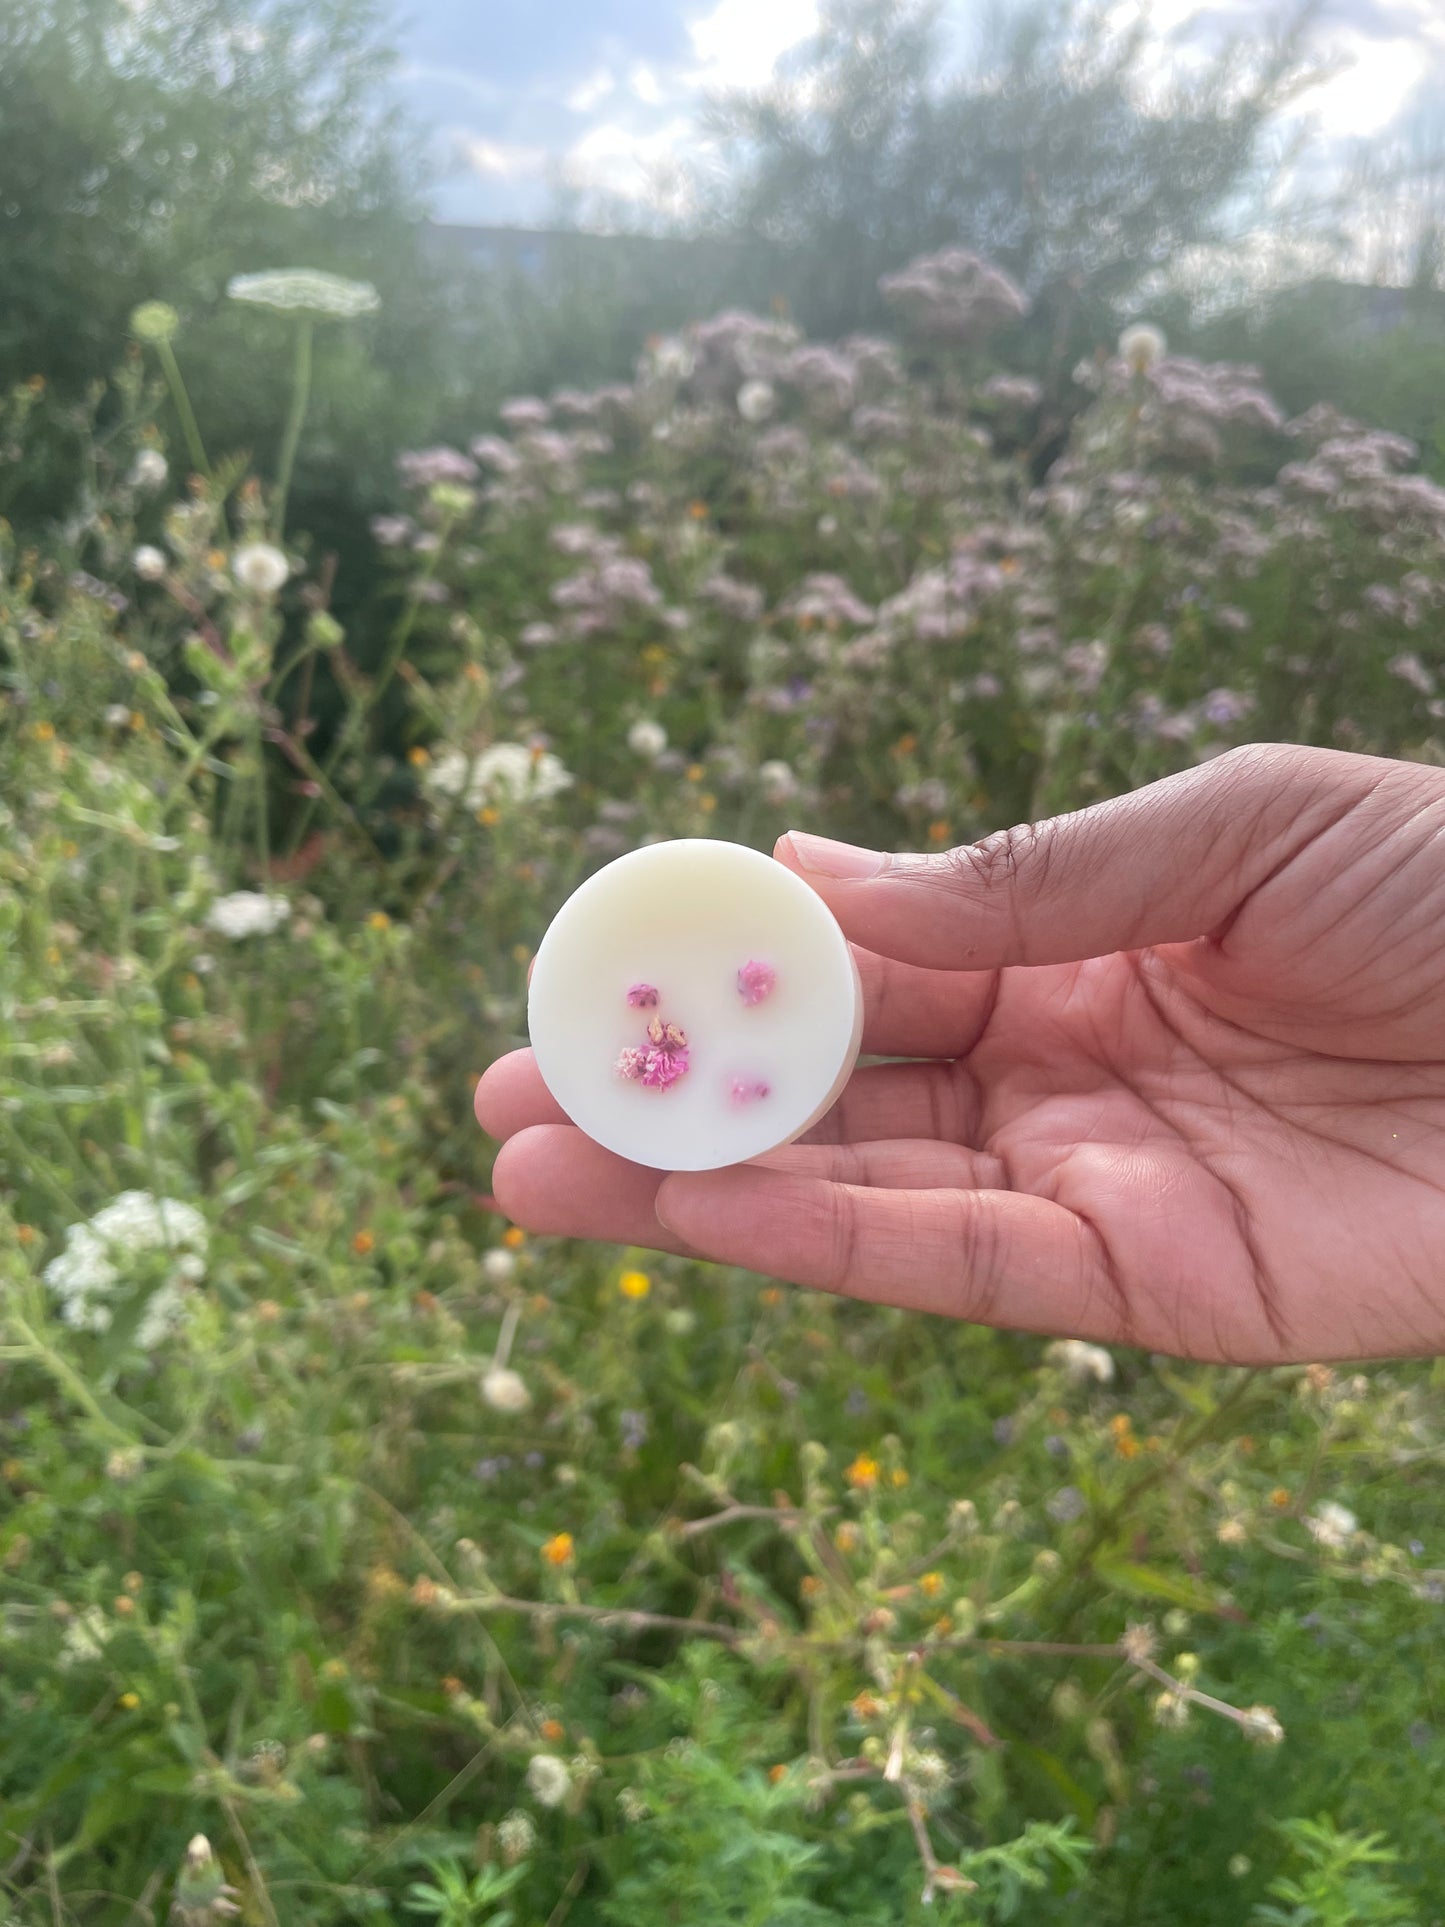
[1182, 1081]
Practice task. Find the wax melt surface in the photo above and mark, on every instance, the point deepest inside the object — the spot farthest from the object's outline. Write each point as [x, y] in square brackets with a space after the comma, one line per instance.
[693, 1005]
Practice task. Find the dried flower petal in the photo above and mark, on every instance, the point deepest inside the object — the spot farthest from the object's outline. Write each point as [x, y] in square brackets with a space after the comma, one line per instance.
[643, 997]
[756, 981]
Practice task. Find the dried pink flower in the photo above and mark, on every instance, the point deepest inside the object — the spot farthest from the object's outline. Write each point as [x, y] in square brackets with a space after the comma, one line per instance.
[756, 981]
[643, 997]
[747, 1090]
[663, 1068]
[658, 1063]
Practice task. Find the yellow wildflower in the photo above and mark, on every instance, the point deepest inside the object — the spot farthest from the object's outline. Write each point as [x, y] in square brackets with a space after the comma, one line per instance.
[862, 1474]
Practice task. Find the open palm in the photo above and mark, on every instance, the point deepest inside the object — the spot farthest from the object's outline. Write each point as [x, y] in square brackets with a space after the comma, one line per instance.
[1174, 1077]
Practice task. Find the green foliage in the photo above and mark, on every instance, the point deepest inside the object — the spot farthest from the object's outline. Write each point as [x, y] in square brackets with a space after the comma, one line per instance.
[452, 1898]
[1340, 1885]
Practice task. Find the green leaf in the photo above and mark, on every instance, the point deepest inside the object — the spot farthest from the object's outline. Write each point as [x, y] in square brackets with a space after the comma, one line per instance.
[1147, 1582]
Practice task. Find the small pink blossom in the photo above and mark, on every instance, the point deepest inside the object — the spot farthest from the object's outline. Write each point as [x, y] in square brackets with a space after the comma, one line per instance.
[643, 997]
[756, 982]
[658, 1063]
[663, 1068]
[746, 1090]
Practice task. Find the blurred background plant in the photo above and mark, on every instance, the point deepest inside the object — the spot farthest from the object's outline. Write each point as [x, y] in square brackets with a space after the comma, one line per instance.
[362, 1558]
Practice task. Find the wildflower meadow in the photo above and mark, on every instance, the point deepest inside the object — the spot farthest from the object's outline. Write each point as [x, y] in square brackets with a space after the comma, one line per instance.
[363, 1558]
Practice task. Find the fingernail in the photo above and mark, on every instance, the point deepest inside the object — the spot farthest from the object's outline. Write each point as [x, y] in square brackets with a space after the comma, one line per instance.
[660, 1205]
[824, 858]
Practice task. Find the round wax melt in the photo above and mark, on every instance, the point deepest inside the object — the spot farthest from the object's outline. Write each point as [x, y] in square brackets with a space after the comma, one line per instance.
[694, 1004]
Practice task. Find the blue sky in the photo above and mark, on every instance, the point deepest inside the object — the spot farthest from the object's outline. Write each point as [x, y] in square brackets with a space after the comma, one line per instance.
[522, 94]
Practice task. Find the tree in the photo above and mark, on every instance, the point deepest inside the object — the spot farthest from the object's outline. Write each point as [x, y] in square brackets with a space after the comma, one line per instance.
[153, 151]
[1052, 155]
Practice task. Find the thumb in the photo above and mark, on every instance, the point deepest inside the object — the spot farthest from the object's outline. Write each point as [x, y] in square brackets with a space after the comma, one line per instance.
[1167, 863]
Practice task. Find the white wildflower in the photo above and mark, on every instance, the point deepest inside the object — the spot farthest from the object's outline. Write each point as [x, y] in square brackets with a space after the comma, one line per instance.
[149, 562]
[509, 772]
[1258, 1723]
[149, 469]
[1138, 1642]
[247, 913]
[85, 1637]
[647, 738]
[777, 781]
[1142, 347]
[670, 359]
[1171, 1709]
[165, 1313]
[259, 568]
[1080, 1361]
[756, 401]
[86, 1272]
[499, 1266]
[305, 291]
[116, 715]
[548, 1780]
[505, 1390]
[1332, 1526]
[516, 1836]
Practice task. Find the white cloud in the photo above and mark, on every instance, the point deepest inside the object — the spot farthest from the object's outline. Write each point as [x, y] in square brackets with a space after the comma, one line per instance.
[645, 85]
[616, 155]
[1376, 79]
[738, 42]
[500, 159]
[587, 93]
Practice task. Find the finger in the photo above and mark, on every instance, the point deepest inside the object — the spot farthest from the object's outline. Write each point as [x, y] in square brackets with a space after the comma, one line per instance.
[554, 1180]
[1168, 863]
[510, 1096]
[910, 1012]
[909, 1164]
[879, 1101]
[996, 1257]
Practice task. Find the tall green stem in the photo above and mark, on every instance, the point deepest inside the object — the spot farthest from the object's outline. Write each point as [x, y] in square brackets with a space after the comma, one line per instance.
[182, 401]
[300, 396]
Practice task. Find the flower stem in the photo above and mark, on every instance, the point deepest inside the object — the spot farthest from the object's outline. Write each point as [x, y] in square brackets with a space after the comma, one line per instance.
[300, 396]
[182, 401]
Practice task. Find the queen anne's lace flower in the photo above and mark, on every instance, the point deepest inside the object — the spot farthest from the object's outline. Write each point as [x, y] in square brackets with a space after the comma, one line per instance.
[247, 913]
[85, 1275]
[505, 772]
[305, 291]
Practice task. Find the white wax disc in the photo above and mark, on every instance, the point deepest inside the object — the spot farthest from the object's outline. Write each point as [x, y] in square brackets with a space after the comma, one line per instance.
[693, 1005]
